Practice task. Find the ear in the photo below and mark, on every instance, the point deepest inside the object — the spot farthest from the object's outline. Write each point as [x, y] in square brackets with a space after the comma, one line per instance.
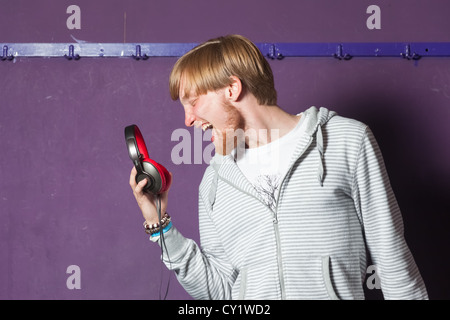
[234, 89]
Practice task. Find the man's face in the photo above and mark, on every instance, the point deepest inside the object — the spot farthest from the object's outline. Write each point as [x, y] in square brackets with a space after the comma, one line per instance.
[213, 111]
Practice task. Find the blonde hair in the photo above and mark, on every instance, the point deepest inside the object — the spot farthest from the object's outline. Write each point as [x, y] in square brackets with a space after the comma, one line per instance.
[209, 66]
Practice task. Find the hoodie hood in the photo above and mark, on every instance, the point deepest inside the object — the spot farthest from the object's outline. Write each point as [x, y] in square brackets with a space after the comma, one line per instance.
[226, 167]
[317, 118]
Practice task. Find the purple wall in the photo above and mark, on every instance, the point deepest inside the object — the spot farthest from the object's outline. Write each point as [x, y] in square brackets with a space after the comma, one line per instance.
[64, 168]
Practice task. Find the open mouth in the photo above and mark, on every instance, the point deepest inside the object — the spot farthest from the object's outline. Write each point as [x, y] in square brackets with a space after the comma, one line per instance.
[206, 126]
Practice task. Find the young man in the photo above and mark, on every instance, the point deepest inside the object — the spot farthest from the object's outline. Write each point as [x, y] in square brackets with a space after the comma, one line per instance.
[291, 206]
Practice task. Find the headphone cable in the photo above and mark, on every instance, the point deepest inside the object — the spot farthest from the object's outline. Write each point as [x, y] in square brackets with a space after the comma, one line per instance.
[163, 246]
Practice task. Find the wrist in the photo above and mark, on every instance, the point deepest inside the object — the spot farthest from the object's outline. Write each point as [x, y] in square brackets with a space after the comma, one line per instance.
[156, 226]
[153, 219]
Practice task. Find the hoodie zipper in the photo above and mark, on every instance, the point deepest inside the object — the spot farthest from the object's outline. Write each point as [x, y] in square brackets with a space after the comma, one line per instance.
[279, 258]
[275, 215]
[277, 237]
[275, 220]
[277, 229]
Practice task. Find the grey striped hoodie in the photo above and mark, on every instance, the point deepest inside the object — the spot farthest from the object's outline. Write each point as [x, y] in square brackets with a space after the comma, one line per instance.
[335, 207]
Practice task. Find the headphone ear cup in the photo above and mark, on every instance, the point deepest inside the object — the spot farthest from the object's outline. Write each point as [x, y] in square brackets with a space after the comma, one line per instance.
[162, 177]
[159, 176]
[150, 172]
[165, 177]
[144, 176]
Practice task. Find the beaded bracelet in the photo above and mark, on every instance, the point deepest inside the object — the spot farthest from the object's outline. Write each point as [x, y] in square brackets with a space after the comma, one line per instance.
[154, 228]
[150, 229]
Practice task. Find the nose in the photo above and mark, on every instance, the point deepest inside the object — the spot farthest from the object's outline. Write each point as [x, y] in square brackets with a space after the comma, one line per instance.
[189, 117]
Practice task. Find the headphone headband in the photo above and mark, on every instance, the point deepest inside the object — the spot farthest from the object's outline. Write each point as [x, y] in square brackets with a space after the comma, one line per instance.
[158, 178]
[137, 149]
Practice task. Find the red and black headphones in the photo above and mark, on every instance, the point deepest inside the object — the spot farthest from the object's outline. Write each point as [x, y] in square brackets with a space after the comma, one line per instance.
[158, 178]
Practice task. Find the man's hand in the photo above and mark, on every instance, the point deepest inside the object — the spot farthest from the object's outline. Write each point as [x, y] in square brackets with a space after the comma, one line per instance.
[147, 201]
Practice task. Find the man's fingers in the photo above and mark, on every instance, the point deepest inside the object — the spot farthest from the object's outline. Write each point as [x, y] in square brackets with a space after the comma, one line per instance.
[140, 186]
[137, 187]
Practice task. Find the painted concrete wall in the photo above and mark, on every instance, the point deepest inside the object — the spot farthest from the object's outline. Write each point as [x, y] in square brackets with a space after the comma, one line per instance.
[64, 167]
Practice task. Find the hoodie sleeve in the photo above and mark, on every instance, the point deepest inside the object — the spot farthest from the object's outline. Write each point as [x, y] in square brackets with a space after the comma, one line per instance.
[383, 225]
[204, 273]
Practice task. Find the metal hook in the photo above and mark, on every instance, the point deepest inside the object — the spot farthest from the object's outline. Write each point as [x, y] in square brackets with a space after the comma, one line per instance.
[274, 53]
[339, 53]
[72, 54]
[407, 54]
[138, 55]
[5, 54]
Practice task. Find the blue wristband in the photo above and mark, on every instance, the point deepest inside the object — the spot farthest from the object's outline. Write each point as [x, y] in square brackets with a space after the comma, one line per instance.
[167, 228]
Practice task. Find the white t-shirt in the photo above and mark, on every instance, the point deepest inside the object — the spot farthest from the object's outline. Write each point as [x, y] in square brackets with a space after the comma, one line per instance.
[265, 166]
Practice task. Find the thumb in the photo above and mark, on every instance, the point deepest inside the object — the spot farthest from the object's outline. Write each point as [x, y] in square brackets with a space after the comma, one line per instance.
[140, 186]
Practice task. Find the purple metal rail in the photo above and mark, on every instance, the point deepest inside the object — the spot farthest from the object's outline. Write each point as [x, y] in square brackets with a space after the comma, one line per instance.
[143, 51]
